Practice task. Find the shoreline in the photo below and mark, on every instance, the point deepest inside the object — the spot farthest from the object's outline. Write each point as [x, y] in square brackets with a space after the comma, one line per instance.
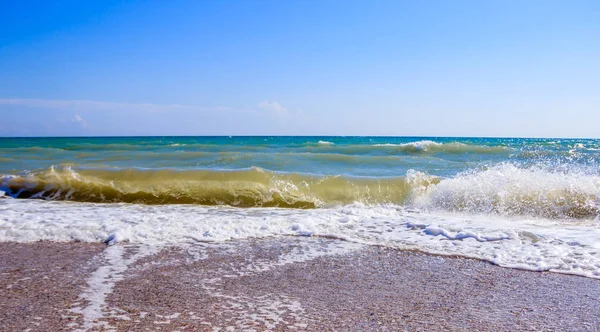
[281, 283]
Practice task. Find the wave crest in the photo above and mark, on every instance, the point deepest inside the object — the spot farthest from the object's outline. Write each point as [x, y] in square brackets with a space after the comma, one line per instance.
[504, 189]
[253, 187]
[507, 189]
[427, 146]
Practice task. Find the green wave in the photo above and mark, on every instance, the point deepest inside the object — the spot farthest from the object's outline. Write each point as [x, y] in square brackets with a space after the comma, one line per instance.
[254, 187]
[504, 189]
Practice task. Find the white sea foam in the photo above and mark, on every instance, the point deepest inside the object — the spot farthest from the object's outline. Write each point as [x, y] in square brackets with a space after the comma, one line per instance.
[428, 146]
[568, 246]
[418, 145]
[507, 189]
[272, 310]
[325, 143]
[101, 284]
[386, 144]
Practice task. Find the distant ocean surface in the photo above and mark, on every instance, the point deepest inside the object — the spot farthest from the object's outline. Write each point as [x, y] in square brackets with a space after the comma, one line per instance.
[524, 203]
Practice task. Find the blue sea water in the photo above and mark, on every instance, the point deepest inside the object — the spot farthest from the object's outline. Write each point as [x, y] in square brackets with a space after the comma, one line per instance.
[346, 156]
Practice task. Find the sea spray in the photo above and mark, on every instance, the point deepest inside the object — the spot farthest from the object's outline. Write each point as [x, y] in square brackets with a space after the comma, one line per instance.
[504, 189]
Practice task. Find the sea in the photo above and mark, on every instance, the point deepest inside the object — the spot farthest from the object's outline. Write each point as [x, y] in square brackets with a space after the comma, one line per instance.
[531, 204]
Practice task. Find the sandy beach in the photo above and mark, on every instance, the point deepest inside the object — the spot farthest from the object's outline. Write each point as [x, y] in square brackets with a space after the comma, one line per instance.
[290, 283]
[299, 166]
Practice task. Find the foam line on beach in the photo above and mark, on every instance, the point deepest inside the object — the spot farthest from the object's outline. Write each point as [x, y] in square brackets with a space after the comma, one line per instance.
[102, 281]
[529, 243]
[269, 309]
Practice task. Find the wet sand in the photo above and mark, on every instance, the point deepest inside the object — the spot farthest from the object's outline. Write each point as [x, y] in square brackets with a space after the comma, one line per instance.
[279, 284]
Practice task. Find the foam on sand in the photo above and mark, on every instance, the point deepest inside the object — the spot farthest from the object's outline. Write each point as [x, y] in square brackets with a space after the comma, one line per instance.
[566, 246]
[102, 282]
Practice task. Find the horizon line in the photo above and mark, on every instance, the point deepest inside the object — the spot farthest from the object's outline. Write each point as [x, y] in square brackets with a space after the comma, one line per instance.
[391, 136]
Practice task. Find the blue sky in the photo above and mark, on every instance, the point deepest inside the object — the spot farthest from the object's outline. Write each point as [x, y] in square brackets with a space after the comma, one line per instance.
[306, 67]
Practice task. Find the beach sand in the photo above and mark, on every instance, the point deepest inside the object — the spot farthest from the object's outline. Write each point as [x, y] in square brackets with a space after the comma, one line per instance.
[289, 283]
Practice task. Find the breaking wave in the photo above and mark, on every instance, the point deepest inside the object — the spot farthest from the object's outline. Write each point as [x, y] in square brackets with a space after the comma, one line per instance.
[427, 146]
[253, 187]
[503, 189]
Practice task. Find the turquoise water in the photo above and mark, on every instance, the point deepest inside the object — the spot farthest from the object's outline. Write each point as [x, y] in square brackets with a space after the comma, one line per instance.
[349, 156]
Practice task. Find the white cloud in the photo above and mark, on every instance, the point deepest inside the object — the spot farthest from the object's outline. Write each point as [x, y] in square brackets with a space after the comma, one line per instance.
[78, 119]
[91, 105]
[271, 106]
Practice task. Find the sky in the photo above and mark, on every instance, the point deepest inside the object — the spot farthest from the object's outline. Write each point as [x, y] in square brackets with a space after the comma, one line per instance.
[300, 67]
